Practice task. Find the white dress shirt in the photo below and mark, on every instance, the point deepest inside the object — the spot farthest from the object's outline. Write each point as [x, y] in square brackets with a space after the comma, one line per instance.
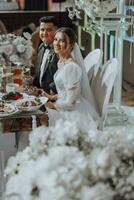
[43, 64]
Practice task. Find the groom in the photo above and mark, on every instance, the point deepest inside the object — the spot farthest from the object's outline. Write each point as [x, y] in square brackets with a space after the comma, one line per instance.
[47, 59]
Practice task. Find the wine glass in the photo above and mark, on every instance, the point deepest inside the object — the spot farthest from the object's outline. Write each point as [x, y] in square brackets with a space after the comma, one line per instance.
[1, 77]
[2, 179]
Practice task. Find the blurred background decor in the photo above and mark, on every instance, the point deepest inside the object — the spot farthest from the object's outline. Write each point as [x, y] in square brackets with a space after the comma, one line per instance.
[15, 49]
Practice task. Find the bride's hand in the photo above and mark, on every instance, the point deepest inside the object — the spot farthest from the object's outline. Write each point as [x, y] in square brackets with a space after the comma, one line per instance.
[50, 104]
[49, 96]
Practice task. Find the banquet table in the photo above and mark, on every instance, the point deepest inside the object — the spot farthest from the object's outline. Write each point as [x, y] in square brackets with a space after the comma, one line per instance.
[21, 114]
[16, 122]
[19, 120]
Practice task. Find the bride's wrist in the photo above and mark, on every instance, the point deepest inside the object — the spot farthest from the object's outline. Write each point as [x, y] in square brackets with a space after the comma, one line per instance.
[54, 97]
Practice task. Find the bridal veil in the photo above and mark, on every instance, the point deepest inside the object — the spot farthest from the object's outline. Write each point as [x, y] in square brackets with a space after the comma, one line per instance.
[85, 87]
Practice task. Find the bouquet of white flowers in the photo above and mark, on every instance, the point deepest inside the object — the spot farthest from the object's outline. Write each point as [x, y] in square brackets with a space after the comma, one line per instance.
[16, 49]
[63, 162]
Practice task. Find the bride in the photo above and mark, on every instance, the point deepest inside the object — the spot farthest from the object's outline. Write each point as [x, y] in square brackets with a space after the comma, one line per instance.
[74, 99]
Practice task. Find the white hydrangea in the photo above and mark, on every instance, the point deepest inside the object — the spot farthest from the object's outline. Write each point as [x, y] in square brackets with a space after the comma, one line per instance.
[62, 162]
[16, 49]
[16, 163]
[100, 191]
[67, 134]
[103, 163]
[7, 49]
[39, 140]
[21, 48]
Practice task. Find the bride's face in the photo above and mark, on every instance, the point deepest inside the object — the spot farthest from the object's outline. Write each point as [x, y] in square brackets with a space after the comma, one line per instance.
[62, 45]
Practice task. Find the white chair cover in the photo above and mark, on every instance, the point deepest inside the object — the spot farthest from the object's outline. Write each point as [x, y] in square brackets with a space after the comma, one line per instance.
[103, 83]
[92, 62]
[108, 78]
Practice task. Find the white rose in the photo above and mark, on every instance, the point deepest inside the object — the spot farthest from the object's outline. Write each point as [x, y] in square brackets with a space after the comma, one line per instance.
[14, 58]
[21, 48]
[8, 49]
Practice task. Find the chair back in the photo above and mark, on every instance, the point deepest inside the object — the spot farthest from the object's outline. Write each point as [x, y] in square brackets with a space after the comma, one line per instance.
[102, 84]
[92, 62]
[7, 149]
[7, 145]
[2, 180]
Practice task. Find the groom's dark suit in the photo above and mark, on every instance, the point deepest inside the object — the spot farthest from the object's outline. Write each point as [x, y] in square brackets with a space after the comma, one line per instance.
[49, 69]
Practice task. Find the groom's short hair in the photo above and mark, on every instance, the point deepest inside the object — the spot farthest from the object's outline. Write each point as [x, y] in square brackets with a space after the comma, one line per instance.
[49, 19]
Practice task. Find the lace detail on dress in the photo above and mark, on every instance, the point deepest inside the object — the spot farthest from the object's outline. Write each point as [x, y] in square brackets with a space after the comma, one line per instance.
[62, 64]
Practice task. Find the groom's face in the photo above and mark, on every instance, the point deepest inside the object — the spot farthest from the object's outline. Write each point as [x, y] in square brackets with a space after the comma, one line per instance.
[47, 32]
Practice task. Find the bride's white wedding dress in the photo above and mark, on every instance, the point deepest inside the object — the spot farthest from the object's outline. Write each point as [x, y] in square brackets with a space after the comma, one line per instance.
[70, 103]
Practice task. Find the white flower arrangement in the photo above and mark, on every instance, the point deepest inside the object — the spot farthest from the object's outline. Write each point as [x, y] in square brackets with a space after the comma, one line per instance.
[94, 8]
[16, 49]
[62, 162]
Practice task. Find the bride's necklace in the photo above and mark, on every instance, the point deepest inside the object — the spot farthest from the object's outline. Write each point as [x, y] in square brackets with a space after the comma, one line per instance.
[65, 60]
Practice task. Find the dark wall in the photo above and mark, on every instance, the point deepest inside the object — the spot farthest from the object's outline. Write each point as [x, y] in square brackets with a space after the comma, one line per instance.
[16, 19]
[128, 68]
[36, 5]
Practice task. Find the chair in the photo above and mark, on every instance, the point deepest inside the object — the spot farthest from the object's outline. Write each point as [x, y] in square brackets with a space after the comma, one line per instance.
[8, 145]
[102, 84]
[2, 181]
[7, 149]
[92, 62]
[3, 29]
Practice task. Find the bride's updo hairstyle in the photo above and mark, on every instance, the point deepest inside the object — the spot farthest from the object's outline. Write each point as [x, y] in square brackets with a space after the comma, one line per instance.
[68, 32]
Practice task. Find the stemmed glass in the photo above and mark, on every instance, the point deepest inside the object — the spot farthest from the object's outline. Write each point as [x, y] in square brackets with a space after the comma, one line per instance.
[1, 77]
[2, 180]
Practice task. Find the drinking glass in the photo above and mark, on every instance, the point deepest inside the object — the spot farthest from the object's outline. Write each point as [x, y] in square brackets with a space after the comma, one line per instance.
[2, 180]
[1, 77]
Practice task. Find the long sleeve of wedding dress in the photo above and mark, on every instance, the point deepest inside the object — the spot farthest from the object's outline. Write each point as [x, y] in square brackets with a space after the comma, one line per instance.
[70, 100]
[68, 81]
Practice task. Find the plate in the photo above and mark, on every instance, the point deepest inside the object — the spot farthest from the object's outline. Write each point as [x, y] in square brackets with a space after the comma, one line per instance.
[30, 103]
[35, 104]
[23, 104]
[7, 109]
[12, 96]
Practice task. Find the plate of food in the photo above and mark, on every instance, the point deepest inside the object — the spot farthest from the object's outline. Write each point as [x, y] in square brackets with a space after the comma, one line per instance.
[35, 104]
[12, 96]
[7, 109]
[23, 104]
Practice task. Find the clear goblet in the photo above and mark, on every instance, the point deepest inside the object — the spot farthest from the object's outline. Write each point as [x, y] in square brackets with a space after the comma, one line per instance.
[1, 77]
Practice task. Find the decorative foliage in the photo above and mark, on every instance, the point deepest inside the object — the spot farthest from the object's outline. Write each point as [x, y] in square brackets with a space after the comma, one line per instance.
[15, 49]
[63, 162]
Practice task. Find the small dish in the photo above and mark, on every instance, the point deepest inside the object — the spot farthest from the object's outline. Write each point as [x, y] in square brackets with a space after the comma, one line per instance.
[23, 104]
[35, 104]
[7, 109]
